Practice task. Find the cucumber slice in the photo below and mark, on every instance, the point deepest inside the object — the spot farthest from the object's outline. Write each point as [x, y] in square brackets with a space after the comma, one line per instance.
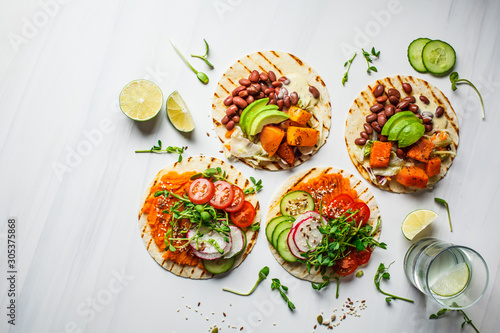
[271, 225]
[218, 266]
[415, 54]
[438, 57]
[282, 246]
[279, 228]
[296, 203]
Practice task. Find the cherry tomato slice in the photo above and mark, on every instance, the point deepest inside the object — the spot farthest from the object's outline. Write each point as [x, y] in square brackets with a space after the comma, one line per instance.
[346, 266]
[243, 217]
[363, 212]
[238, 200]
[338, 206]
[200, 191]
[363, 256]
[223, 195]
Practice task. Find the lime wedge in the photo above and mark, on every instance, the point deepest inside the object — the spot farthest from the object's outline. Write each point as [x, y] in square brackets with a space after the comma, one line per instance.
[141, 100]
[452, 282]
[416, 221]
[178, 113]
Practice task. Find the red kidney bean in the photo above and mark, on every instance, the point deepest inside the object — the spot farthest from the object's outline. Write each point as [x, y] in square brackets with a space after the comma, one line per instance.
[360, 141]
[371, 117]
[428, 114]
[280, 104]
[237, 90]
[389, 110]
[272, 101]
[427, 120]
[314, 91]
[225, 120]
[260, 95]
[231, 110]
[285, 91]
[364, 135]
[424, 99]
[368, 128]
[282, 79]
[407, 88]
[277, 90]
[229, 100]
[245, 82]
[236, 119]
[294, 98]
[394, 92]
[256, 86]
[377, 108]
[272, 95]
[393, 100]
[243, 94]
[381, 119]
[400, 153]
[411, 99]
[268, 91]
[263, 86]
[403, 105]
[230, 125]
[254, 76]
[252, 91]
[272, 76]
[276, 84]
[397, 110]
[381, 99]
[428, 127]
[263, 77]
[240, 102]
[439, 111]
[378, 90]
[413, 108]
[376, 126]
[288, 101]
[419, 116]
[250, 99]
[382, 138]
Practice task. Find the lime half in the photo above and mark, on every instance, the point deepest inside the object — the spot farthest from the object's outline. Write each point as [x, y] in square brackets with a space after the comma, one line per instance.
[141, 100]
[452, 282]
[178, 113]
[416, 221]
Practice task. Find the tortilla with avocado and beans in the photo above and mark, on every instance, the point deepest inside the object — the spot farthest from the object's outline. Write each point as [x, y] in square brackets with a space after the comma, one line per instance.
[184, 227]
[271, 110]
[293, 223]
[401, 134]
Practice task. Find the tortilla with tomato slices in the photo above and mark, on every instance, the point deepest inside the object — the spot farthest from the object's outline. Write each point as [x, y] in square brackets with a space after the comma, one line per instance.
[186, 265]
[249, 150]
[446, 125]
[355, 185]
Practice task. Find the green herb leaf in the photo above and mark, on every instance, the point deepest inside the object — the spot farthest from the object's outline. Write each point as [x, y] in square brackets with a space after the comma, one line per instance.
[276, 285]
[382, 273]
[263, 273]
[257, 186]
[467, 320]
[370, 60]
[346, 74]
[454, 80]
[442, 201]
[204, 57]
[201, 76]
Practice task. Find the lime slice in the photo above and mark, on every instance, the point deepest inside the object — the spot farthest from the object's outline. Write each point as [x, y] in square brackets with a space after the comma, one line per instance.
[141, 100]
[178, 113]
[416, 221]
[452, 282]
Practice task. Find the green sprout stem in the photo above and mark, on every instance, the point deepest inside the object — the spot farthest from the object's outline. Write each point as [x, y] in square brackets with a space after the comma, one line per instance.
[201, 76]
[263, 273]
[204, 57]
[454, 80]
[447, 210]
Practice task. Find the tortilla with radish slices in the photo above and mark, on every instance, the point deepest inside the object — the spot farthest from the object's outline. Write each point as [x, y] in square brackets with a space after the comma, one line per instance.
[323, 185]
[159, 233]
[240, 132]
[413, 160]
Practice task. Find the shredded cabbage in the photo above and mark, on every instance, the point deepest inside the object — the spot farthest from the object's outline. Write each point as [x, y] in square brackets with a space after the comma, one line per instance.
[242, 147]
[395, 165]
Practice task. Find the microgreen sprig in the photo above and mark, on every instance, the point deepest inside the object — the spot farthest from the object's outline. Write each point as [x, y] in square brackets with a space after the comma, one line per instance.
[276, 285]
[257, 186]
[204, 57]
[369, 60]
[170, 149]
[383, 273]
[442, 201]
[263, 273]
[201, 76]
[454, 80]
[348, 64]
[214, 174]
[467, 320]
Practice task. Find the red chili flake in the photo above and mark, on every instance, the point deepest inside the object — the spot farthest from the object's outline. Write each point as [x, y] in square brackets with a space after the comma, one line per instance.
[224, 314]
[199, 303]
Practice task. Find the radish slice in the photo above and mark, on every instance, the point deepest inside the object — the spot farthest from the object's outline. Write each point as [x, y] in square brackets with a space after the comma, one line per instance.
[238, 242]
[304, 216]
[291, 245]
[201, 243]
[207, 256]
[307, 235]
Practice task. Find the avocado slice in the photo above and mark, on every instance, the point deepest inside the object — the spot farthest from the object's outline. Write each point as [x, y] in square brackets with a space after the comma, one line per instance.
[410, 134]
[398, 127]
[394, 120]
[249, 109]
[265, 118]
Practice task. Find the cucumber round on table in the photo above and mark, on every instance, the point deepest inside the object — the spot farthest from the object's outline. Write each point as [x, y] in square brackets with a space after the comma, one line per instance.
[218, 266]
[296, 203]
[415, 54]
[279, 228]
[282, 246]
[438, 57]
[273, 223]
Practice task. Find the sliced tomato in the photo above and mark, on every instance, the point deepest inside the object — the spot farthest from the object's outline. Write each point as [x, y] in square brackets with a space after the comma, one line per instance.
[362, 212]
[338, 206]
[363, 256]
[346, 266]
[238, 200]
[243, 217]
[223, 195]
[201, 191]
